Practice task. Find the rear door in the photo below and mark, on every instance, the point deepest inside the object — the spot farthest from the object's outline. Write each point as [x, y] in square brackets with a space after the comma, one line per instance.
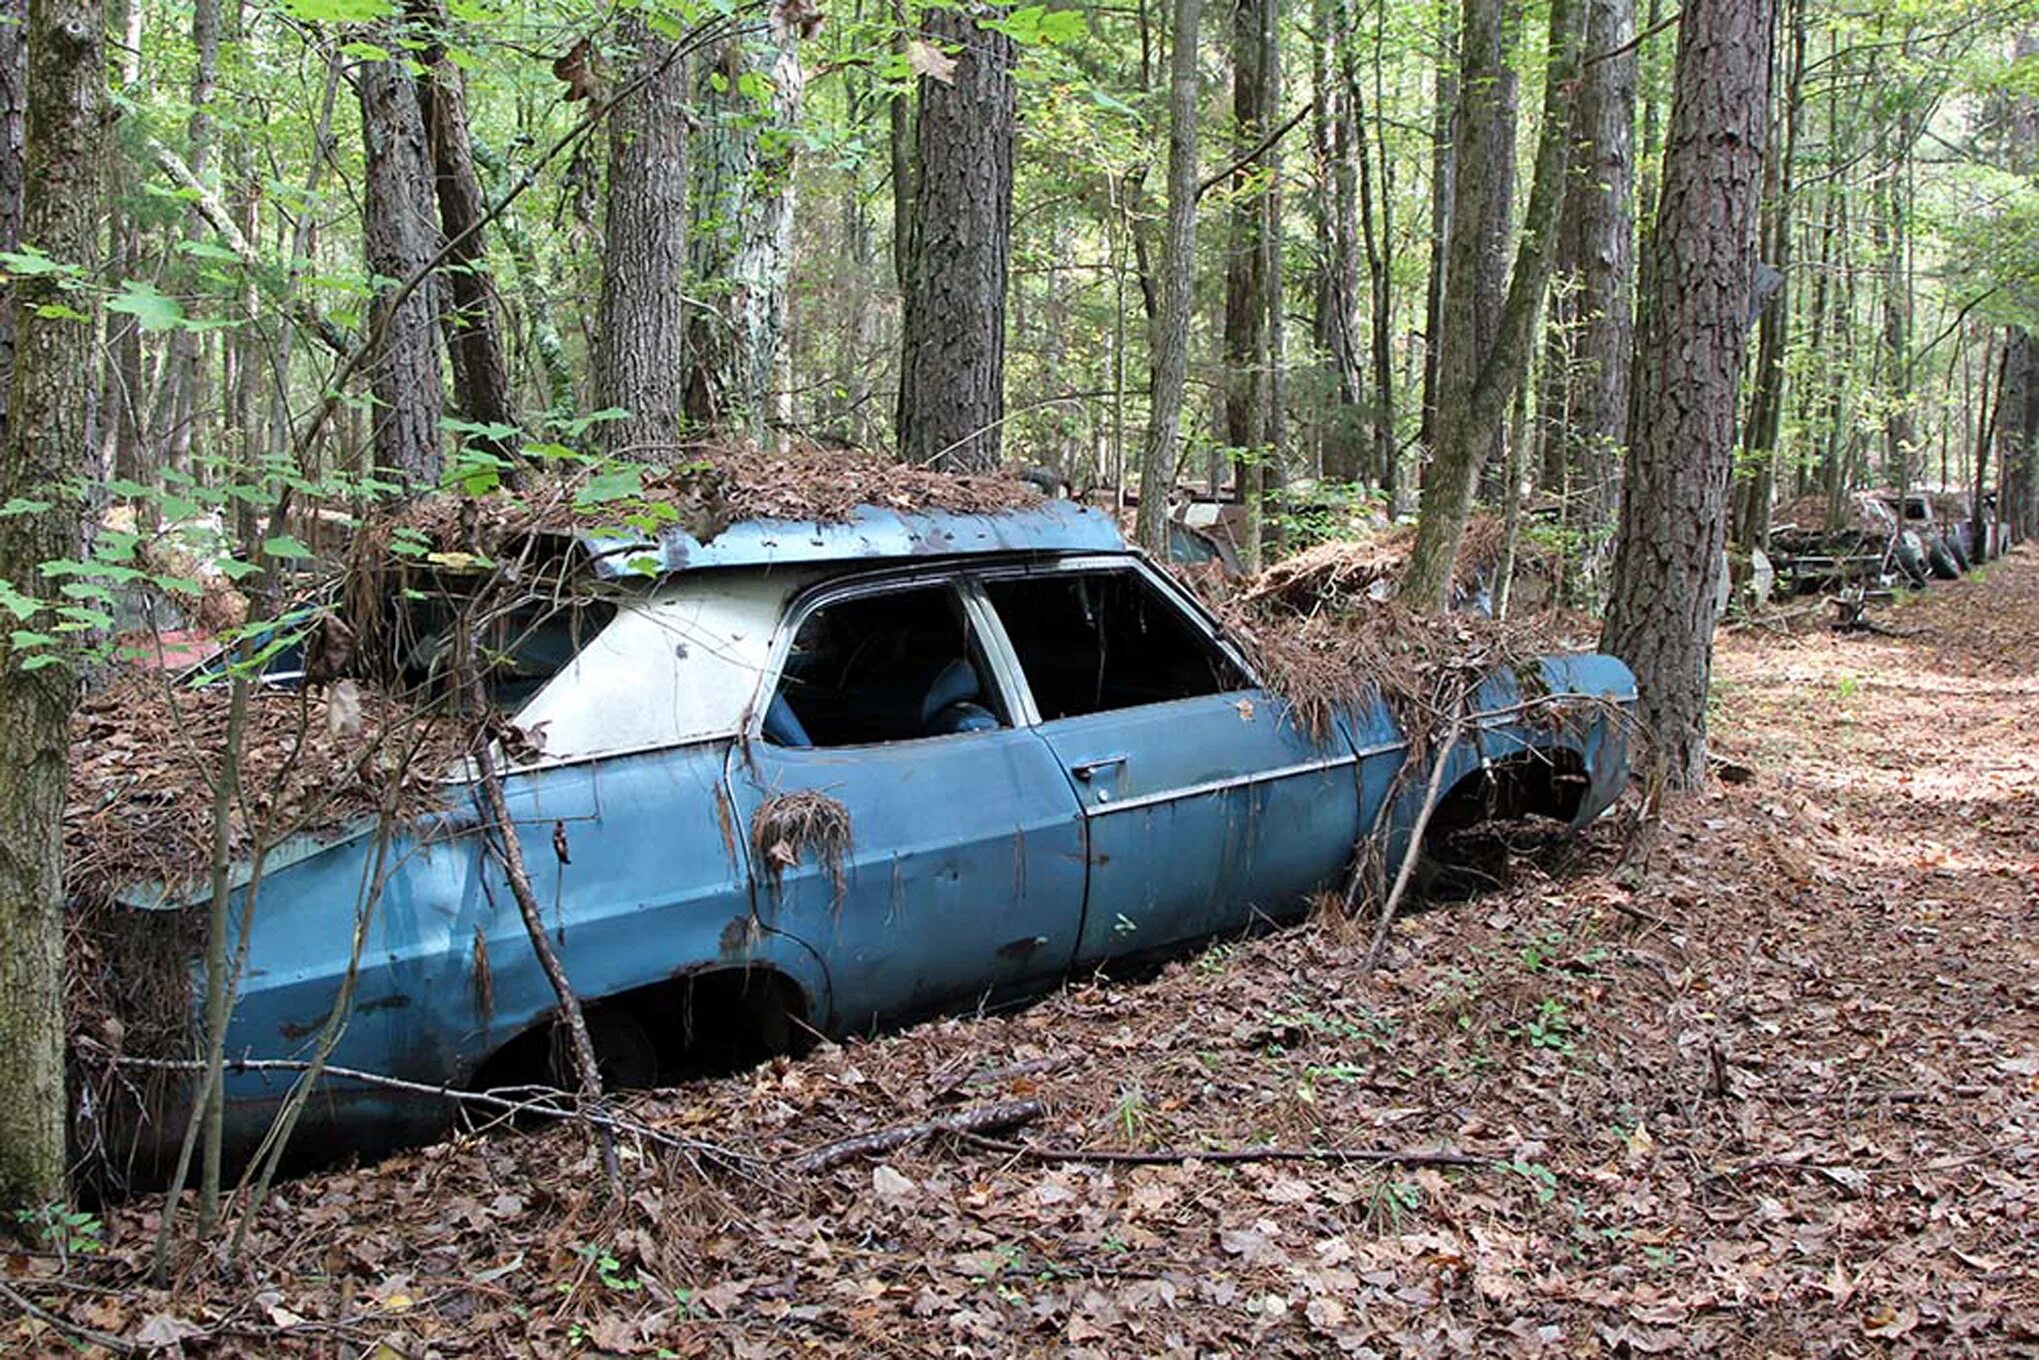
[960, 873]
[1204, 802]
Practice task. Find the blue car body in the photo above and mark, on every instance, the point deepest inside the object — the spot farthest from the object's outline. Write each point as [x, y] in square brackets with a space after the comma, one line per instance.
[1001, 837]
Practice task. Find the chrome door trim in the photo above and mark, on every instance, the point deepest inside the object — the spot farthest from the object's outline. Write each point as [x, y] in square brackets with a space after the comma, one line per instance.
[1210, 786]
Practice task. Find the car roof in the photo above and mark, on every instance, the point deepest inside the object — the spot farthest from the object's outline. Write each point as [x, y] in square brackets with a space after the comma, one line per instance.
[871, 533]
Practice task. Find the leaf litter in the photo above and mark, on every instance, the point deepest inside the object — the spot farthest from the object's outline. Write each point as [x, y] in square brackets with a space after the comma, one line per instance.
[1762, 1081]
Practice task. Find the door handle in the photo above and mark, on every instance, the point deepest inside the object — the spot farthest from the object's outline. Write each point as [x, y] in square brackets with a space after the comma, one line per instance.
[1087, 770]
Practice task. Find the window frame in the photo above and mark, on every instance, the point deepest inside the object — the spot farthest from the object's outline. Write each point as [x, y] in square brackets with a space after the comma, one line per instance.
[965, 582]
[992, 645]
[1172, 595]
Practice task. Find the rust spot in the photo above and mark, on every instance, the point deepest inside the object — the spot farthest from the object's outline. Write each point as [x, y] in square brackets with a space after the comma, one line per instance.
[484, 978]
[395, 1001]
[1022, 948]
[725, 820]
[736, 936]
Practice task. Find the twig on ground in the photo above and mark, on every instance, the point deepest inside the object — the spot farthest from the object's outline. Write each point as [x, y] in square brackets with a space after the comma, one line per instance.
[1006, 1114]
[63, 1324]
[543, 1101]
[952, 1083]
[1173, 1156]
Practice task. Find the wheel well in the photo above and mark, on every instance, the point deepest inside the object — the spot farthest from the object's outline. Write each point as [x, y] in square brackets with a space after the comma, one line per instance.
[1547, 782]
[698, 1025]
[1467, 846]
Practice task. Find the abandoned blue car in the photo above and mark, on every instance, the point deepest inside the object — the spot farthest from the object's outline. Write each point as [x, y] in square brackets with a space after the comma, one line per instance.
[1048, 756]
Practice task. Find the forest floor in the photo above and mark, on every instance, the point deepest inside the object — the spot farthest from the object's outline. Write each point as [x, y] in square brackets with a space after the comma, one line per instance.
[1767, 1084]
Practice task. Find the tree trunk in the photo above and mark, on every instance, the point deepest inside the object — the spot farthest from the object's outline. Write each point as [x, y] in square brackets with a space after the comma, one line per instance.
[1591, 307]
[1245, 288]
[1479, 386]
[1178, 275]
[740, 242]
[400, 235]
[50, 434]
[1444, 132]
[1773, 327]
[13, 128]
[481, 371]
[1339, 151]
[1697, 275]
[638, 341]
[952, 365]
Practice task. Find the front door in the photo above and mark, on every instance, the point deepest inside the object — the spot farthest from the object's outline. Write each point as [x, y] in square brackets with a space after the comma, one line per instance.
[1204, 801]
[959, 872]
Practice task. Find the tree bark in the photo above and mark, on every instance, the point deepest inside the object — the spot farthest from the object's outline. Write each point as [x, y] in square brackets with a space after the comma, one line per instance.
[481, 370]
[1178, 276]
[1479, 387]
[50, 434]
[1764, 427]
[13, 129]
[1697, 274]
[1245, 284]
[952, 363]
[1444, 135]
[1592, 319]
[1340, 151]
[400, 236]
[638, 342]
[747, 96]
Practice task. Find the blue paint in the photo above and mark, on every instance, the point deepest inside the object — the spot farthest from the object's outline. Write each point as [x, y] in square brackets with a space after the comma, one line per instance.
[871, 532]
[983, 865]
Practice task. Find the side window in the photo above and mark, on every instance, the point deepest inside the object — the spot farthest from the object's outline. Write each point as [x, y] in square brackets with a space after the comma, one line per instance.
[887, 667]
[1094, 641]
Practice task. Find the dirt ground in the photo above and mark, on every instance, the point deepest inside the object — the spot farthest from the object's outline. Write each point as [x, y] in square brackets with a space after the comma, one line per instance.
[1768, 1087]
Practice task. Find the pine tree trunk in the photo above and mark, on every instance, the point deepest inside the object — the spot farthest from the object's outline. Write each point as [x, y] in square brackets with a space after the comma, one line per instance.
[1592, 321]
[481, 370]
[49, 436]
[1245, 288]
[638, 343]
[740, 243]
[1339, 150]
[1697, 274]
[400, 235]
[1479, 386]
[952, 363]
[1178, 276]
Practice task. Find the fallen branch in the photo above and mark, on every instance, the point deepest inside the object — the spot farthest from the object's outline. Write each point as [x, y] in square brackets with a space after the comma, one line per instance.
[510, 854]
[1006, 1114]
[1414, 850]
[997, 1076]
[63, 1324]
[1174, 1156]
[543, 1100]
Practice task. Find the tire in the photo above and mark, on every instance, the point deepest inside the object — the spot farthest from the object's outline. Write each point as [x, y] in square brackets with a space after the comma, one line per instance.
[625, 1053]
[1941, 559]
[1908, 555]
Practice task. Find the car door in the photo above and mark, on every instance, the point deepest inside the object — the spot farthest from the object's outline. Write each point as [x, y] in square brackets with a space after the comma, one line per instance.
[959, 875]
[1204, 801]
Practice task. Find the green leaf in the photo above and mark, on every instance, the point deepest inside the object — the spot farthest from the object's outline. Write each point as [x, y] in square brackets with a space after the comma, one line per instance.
[208, 250]
[144, 303]
[57, 311]
[22, 638]
[366, 51]
[29, 262]
[35, 661]
[16, 505]
[612, 484]
[234, 569]
[338, 11]
[285, 547]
